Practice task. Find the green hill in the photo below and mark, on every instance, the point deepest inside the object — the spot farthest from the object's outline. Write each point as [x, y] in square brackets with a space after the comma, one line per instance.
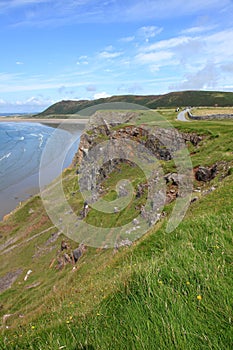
[171, 100]
[165, 291]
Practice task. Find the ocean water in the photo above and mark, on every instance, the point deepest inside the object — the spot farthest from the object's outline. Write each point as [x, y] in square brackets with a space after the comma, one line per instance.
[21, 148]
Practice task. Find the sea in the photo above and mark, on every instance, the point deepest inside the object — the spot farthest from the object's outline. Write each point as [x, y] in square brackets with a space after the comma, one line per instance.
[21, 148]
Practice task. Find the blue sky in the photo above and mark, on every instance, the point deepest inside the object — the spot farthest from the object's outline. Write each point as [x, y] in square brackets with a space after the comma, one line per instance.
[84, 49]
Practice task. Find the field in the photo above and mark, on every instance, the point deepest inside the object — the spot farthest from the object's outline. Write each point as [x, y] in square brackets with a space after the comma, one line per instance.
[202, 111]
[166, 291]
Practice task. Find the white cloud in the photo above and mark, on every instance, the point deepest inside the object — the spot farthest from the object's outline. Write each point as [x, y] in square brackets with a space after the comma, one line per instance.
[127, 39]
[227, 87]
[33, 85]
[109, 48]
[109, 55]
[206, 77]
[83, 57]
[14, 4]
[9, 77]
[151, 9]
[2, 102]
[148, 32]
[30, 104]
[60, 12]
[219, 45]
[101, 95]
[197, 29]
[34, 101]
[155, 68]
[198, 53]
[82, 60]
[167, 44]
[154, 57]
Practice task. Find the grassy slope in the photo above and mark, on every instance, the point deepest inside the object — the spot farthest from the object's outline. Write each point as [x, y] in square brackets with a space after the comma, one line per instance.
[171, 100]
[144, 297]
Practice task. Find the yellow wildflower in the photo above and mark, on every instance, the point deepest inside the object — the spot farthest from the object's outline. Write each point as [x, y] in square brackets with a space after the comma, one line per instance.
[199, 297]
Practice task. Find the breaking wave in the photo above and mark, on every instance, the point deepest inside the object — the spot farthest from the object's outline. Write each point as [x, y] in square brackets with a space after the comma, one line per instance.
[21, 147]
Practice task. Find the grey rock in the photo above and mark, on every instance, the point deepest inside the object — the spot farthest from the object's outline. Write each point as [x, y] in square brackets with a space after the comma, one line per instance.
[206, 174]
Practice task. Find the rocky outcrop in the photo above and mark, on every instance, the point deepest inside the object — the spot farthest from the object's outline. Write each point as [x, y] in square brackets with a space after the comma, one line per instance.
[67, 256]
[206, 174]
[162, 142]
[7, 280]
[153, 144]
[193, 138]
[173, 178]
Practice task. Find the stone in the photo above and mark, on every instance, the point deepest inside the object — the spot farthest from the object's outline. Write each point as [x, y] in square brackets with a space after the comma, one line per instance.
[135, 221]
[7, 280]
[27, 275]
[194, 199]
[64, 245]
[206, 174]
[78, 252]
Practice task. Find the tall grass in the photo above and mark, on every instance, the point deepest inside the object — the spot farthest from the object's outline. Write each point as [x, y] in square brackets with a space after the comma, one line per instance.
[178, 296]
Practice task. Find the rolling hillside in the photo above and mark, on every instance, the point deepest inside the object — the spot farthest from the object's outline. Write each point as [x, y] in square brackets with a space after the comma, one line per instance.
[171, 100]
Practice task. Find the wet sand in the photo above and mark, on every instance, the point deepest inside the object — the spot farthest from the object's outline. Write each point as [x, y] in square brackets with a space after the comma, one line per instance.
[17, 193]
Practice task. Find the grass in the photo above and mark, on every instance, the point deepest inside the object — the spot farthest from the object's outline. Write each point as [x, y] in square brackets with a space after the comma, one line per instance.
[175, 293]
[167, 291]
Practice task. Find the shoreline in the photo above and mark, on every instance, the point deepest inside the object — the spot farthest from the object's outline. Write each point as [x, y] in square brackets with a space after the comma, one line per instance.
[44, 121]
[18, 193]
[24, 189]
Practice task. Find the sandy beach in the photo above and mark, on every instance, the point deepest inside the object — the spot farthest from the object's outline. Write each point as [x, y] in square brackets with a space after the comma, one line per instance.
[44, 121]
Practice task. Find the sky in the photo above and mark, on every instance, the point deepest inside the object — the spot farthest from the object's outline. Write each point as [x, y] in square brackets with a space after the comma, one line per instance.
[53, 50]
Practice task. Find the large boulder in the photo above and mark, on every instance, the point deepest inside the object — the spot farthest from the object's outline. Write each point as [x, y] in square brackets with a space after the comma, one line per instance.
[206, 174]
